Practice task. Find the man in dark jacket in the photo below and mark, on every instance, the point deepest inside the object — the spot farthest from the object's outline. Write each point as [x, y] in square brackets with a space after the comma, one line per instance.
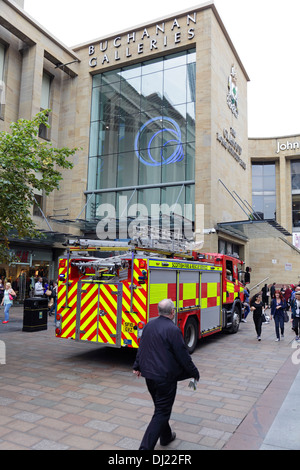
[163, 359]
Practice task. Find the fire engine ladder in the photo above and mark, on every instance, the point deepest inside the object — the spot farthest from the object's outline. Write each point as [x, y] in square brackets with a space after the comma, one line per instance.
[165, 248]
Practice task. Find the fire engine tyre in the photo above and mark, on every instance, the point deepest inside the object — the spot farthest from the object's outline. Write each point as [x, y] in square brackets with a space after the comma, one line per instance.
[191, 334]
[234, 328]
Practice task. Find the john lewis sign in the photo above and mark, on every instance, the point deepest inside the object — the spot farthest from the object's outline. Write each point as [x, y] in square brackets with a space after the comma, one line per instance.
[283, 147]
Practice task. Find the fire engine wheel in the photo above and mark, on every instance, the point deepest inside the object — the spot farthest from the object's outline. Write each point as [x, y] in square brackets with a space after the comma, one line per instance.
[191, 334]
[235, 322]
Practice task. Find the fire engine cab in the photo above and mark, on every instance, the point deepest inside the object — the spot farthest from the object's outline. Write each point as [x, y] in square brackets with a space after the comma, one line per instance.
[108, 298]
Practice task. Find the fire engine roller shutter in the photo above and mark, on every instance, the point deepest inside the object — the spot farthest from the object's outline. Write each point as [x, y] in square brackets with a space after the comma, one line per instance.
[210, 302]
[162, 286]
[188, 289]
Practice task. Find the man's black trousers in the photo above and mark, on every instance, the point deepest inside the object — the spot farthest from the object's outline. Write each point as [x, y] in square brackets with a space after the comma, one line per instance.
[163, 395]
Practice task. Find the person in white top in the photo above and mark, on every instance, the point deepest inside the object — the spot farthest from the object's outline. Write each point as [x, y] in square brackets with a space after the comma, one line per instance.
[295, 307]
[7, 301]
[39, 288]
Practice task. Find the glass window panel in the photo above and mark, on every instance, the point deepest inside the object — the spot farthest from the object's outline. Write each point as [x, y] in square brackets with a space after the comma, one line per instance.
[150, 137]
[150, 174]
[111, 77]
[191, 82]
[258, 203]
[295, 171]
[45, 97]
[175, 123]
[191, 123]
[131, 72]
[175, 60]
[107, 169]
[147, 197]
[109, 136]
[269, 183]
[257, 183]
[129, 126]
[174, 169]
[94, 173]
[190, 162]
[152, 66]
[131, 89]
[191, 56]
[95, 111]
[296, 210]
[270, 207]
[175, 86]
[94, 138]
[127, 170]
[152, 91]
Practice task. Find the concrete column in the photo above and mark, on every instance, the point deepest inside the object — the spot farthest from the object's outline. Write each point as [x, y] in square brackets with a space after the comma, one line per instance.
[31, 82]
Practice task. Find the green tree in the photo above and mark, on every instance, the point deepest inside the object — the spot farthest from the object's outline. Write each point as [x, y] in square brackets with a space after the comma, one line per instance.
[27, 165]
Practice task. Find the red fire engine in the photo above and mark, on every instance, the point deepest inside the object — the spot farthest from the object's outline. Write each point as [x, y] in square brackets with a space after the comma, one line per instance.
[109, 300]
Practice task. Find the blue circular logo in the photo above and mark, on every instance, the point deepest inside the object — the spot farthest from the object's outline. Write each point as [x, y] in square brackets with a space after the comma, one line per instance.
[158, 142]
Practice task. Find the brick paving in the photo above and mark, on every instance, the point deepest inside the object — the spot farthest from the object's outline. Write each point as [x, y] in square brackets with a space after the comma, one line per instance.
[63, 395]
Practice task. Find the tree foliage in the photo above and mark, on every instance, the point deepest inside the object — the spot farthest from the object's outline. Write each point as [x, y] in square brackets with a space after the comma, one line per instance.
[28, 166]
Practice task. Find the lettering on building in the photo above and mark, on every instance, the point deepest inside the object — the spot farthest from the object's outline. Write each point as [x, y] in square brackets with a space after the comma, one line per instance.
[227, 140]
[141, 42]
[287, 146]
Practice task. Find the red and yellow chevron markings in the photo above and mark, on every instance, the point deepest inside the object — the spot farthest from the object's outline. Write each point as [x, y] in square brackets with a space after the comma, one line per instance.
[108, 314]
[88, 312]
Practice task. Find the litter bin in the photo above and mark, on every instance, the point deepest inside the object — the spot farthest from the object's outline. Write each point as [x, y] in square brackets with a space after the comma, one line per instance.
[35, 317]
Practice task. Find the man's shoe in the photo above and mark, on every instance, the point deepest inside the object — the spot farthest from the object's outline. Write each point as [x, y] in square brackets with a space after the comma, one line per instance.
[168, 442]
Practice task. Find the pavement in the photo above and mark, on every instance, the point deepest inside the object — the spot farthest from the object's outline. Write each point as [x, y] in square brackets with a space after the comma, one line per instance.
[64, 395]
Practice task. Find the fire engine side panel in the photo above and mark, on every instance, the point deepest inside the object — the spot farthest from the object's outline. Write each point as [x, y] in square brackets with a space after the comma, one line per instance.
[189, 289]
[211, 319]
[162, 285]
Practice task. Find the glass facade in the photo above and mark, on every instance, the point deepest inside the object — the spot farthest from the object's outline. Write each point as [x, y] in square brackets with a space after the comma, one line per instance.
[264, 190]
[142, 135]
[295, 172]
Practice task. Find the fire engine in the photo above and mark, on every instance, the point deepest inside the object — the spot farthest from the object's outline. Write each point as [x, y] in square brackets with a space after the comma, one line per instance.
[108, 298]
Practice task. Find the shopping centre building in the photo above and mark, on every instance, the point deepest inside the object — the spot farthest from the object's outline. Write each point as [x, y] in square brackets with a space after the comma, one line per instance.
[159, 113]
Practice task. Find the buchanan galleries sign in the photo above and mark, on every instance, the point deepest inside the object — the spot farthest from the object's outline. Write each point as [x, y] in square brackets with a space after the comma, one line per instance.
[142, 42]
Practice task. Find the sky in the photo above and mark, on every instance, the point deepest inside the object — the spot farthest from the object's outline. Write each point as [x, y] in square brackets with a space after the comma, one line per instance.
[265, 34]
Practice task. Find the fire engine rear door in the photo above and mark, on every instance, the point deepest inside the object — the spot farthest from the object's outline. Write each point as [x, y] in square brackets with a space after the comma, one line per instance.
[99, 313]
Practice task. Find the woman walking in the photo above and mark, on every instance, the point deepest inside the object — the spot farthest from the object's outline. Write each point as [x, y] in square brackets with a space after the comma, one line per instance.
[7, 300]
[256, 306]
[277, 311]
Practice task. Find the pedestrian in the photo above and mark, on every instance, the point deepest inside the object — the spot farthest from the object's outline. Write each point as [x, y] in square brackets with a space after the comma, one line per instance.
[256, 306]
[163, 360]
[277, 311]
[265, 295]
[7, 301]
[2, 288]
[272, 290]
[53, 307]
[246, 304]
[295, 308]
[287, 297]
[39, 288]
